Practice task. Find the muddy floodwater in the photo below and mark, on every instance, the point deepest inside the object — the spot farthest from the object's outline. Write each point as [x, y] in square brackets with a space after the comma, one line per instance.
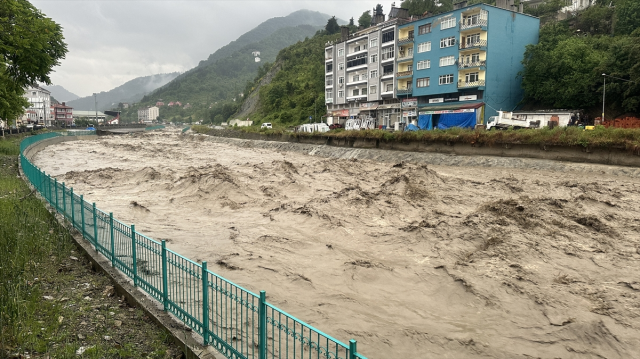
[411, 260]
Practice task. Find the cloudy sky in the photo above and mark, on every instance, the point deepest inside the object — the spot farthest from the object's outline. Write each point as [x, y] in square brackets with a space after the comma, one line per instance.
[113, 41]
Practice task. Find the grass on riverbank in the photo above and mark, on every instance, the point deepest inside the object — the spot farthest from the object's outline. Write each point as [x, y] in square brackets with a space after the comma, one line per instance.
[561, 136]
[52, 304]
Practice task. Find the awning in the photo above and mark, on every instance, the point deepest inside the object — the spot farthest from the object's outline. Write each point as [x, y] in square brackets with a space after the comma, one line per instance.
[467, 107]
[371, 108]
[384, 107]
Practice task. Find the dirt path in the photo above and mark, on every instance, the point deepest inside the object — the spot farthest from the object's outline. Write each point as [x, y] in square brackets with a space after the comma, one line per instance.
[413, 261]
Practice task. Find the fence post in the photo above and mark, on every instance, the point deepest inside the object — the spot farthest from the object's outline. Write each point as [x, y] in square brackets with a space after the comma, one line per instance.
[82, 213]
[205, 303]
[56, 190]
[165, 289]
[49, 188]
[64, 201]
[262, 325]
[134, 267]
[43, 175]
[73, 212]
[95, 227]
[113, 252]
[353, 351]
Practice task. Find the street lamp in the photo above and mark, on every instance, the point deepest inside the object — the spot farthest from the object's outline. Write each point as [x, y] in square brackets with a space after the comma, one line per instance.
[604, 89]
[96, 107]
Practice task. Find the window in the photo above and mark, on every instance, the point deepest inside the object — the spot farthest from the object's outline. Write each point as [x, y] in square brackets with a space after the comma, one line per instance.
[389, 87]
[387, 69]
[372, 90]
[448, 23]
[356, 92]
[471, 39]
[447, 42]
[422, 82]
[357, 61]
[475, 57]
[356, 78]
[329, 95]
[424, 29]
[356, 49]
[410, 67]
[447, 61]
[388, 36]
[471, 20]
[329, 81]
[374, 74]
[446, 79]
[364, 91]
[340, 80]
[424, 64]
[340, 93]
[472, 77]
[374, 42]
[340, 52]
[329, 67]
[387, 53]
[374, 58]
[341, 66]
[424, 47]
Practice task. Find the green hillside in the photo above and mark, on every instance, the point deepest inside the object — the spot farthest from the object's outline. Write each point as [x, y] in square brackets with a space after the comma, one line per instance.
[130, 91]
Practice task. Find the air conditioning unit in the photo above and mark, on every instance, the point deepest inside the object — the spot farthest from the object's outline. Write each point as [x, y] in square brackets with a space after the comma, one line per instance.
[341, 85]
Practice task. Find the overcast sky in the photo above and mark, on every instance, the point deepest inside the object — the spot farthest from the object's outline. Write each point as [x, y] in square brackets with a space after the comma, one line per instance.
[113, 41]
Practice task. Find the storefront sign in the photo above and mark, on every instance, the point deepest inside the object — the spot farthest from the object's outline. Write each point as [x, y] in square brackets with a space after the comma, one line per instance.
[436, 100]
[409, 102]
[468, 98]
[341, 113]
[409, 113]
[368, 106]
[451, 99]
[438, 112]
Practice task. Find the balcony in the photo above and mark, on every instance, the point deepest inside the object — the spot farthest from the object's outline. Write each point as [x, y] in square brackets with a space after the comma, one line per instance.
[405, 40]
[406, 91]
[404, 57]
[328, 100]
[327, 58]
[404, 74]
[465, 85]
[464, 25]
[466, 65]
[479, 43]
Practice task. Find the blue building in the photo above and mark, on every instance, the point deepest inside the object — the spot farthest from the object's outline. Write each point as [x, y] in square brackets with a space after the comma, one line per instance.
[459, 68]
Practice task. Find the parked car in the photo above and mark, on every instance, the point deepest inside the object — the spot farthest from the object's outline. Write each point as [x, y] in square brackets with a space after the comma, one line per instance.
[335, 126]
[266, 125]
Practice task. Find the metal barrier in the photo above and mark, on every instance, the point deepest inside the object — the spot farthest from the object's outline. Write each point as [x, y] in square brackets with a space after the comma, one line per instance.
[186, 129]
[237, 322]
[151, 128]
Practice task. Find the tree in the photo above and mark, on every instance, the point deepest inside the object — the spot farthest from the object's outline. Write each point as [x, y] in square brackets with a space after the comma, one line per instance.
[351, 22]
[332, 26]
[379, 10]
[627, 16]
[30, 46]
[365, 19]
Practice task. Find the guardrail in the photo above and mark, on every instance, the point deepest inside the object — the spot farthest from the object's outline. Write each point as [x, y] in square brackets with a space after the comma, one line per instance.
[152, 128]
[240, 324]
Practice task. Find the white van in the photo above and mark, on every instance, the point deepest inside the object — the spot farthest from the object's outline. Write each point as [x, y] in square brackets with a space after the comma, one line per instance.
[266, 125]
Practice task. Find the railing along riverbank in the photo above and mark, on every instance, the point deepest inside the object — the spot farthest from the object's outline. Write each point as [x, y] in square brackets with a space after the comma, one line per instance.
[237, 322]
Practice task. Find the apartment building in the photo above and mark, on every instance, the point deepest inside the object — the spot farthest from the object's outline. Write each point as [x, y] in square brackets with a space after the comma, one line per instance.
[62, 114]
[39, 105]
[360, 71]
[148, 114]
[451, 69]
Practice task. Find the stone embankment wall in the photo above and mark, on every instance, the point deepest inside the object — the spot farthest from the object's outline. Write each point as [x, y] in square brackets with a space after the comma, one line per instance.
[580, 154]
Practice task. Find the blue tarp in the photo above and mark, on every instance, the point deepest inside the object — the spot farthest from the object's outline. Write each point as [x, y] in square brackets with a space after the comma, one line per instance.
[464, 119]
[425, 122]
[411, 127]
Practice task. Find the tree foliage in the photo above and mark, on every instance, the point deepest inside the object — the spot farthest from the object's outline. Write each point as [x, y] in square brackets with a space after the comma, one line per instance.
[30, 46]
[332, 26]
[364, 20]
[627, 16]
[419, 7]
[564, 70]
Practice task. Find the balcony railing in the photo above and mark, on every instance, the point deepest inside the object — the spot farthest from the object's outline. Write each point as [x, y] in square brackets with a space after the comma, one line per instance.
[465, 65]
[405, 40]
[404, 56]
[471, 24]
[387, 56]
[328, 100]
[329, 83]
[462, 84]
[404, 74]
[327, 58]
[479, 43]
[406, 91]
[387, 73]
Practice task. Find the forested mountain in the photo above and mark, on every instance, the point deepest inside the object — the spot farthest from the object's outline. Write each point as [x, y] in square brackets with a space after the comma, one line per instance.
[61, 94]
[130, 91]
[215, 86]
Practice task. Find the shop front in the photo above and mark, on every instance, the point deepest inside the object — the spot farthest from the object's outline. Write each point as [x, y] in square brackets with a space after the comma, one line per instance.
[447, 116]
[389, 114]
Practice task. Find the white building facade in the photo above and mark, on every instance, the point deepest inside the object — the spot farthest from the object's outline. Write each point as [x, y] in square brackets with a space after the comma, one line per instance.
[148, 114]
[39, 106]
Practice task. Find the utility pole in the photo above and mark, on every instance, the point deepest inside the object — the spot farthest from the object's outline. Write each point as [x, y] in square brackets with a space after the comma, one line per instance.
[604, 89]
[96, 107]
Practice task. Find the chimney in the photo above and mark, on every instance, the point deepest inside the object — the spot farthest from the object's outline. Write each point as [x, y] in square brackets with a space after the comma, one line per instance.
[460, 5]
[344, 33]
[521, 8]
[64, 104]
[501, 4]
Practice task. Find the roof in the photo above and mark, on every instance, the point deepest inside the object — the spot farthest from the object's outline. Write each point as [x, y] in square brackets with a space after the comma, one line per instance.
[78, 113]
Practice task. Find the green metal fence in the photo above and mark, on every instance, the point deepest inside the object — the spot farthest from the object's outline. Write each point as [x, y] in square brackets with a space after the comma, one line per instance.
[151, 128]
[186, 129]
[237, 322]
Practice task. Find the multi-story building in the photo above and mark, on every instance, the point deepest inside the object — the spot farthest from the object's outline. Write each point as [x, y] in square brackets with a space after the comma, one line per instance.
[452, 69]
[62, 114]
[148, 114]
[360, 70]
[39, 105]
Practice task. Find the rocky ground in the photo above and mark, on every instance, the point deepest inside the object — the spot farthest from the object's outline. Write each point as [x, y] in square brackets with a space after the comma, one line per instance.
[465, 258]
